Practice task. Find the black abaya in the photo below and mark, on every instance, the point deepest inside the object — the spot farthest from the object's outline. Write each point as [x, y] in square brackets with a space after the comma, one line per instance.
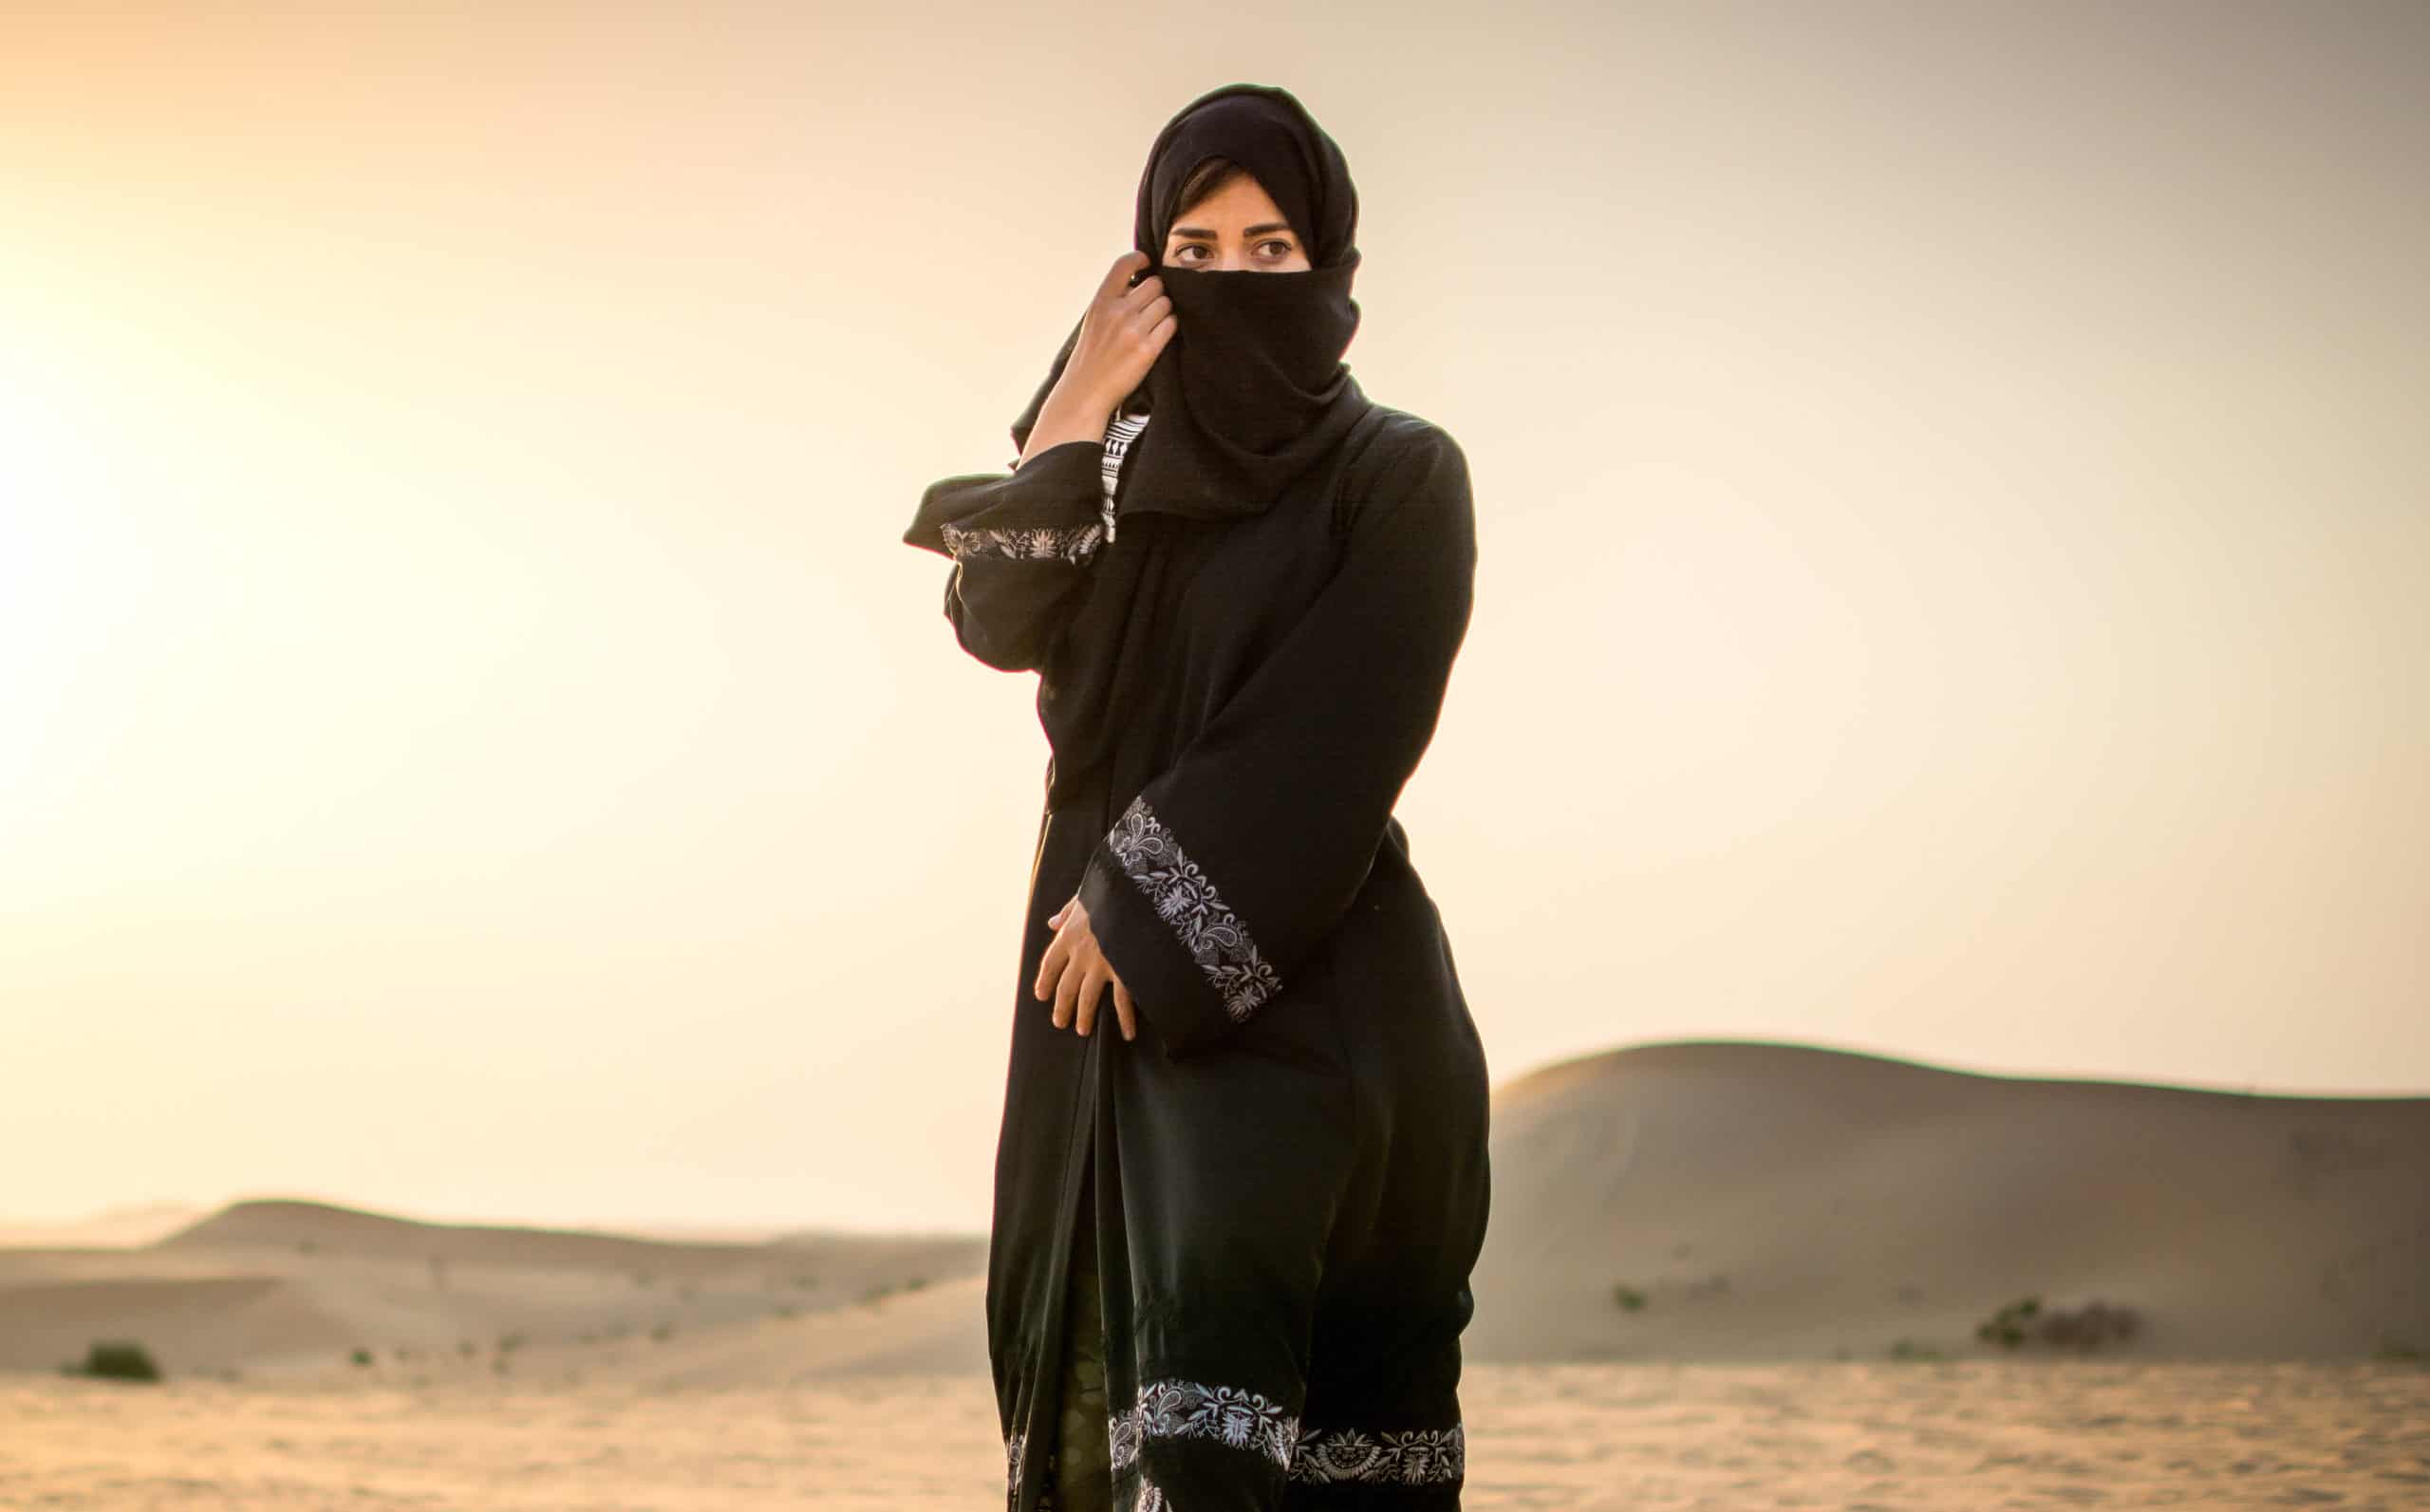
[1287, 1172]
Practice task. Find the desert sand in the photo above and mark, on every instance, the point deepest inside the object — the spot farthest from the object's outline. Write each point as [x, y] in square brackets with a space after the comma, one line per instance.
[1805, 1241]
[1978, 1435]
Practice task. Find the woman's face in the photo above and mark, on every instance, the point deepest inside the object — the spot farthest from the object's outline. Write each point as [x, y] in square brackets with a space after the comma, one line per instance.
[1236, 227]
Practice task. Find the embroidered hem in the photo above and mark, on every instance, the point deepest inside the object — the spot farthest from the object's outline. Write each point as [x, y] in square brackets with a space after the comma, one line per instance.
[1234, 1415]
[1412, 1457]
[1247, 1420]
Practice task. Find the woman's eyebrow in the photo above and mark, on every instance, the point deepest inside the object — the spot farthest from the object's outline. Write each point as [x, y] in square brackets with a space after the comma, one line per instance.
[1202, 233]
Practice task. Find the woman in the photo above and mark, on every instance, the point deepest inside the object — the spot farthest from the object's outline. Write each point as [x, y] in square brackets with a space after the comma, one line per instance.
[1243, 583]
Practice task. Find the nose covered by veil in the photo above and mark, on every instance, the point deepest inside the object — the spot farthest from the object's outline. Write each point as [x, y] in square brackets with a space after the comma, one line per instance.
[1250, 390]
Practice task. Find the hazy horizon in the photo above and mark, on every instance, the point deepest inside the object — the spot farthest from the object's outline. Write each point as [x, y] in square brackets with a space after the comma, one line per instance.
[1951, 506]
[703, 1230]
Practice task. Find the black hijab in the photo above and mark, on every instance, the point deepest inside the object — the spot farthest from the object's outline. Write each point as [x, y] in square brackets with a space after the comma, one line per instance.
[1250, 390]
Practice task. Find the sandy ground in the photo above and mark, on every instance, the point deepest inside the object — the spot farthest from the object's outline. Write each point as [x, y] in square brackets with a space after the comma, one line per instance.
[1718, 1275]
[1987, 1435]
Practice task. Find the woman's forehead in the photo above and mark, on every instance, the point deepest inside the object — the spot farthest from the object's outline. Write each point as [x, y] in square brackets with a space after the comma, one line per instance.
[1241, 196]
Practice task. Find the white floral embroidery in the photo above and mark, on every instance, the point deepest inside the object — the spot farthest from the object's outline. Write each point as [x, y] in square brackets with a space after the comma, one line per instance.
[1040, 543]
[1152, 1499]
[1013, 1444]
[1186, 898]
[1231, 1414]
[1413, 1457]
[1048, 543]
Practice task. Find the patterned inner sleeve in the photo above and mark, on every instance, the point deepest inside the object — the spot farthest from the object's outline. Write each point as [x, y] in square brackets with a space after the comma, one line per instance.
[1119, 433]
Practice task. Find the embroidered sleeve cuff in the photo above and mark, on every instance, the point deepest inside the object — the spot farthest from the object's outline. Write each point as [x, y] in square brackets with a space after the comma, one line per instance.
[1069, 543]
[1189, 961]
[1050, 509]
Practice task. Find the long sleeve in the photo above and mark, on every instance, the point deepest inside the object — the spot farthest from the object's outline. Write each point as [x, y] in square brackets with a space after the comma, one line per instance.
[1242, 855]
[1021, 543]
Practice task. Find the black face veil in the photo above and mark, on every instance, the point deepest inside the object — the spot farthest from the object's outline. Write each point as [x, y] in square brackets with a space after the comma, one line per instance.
[1251, 389]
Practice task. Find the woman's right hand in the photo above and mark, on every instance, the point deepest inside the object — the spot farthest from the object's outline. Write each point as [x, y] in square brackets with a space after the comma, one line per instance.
[1125, 327]
[1123, 330]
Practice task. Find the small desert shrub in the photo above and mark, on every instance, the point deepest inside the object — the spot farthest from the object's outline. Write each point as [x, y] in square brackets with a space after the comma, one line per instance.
[1630, 1298]
[116, 1360]
[509, 1343]
[915, 1283]
[2007, 1326]
[2085, 1328]
[361, 1356]
[1907, 1349]
[467, 1348]
[663, 1333]
[2088, 1327]
[2393, 1350]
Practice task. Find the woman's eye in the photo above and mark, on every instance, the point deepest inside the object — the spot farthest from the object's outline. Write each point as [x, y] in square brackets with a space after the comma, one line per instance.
[1282, 248]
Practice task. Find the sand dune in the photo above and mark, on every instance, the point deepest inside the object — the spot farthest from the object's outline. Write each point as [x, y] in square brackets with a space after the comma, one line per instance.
[1763, 1201]
[938, 1330]
[1776, 1202]
[295, 1288]
[323, 1229]
[185, 1324]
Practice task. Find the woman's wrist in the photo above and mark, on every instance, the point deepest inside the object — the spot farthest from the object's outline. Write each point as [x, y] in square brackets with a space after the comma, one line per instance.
[1068, 417]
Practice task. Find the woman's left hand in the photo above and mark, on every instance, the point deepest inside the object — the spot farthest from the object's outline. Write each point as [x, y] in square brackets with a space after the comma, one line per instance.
[1075, 971]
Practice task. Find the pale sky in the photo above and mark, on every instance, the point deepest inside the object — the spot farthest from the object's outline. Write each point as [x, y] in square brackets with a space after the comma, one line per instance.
[1953, 516]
